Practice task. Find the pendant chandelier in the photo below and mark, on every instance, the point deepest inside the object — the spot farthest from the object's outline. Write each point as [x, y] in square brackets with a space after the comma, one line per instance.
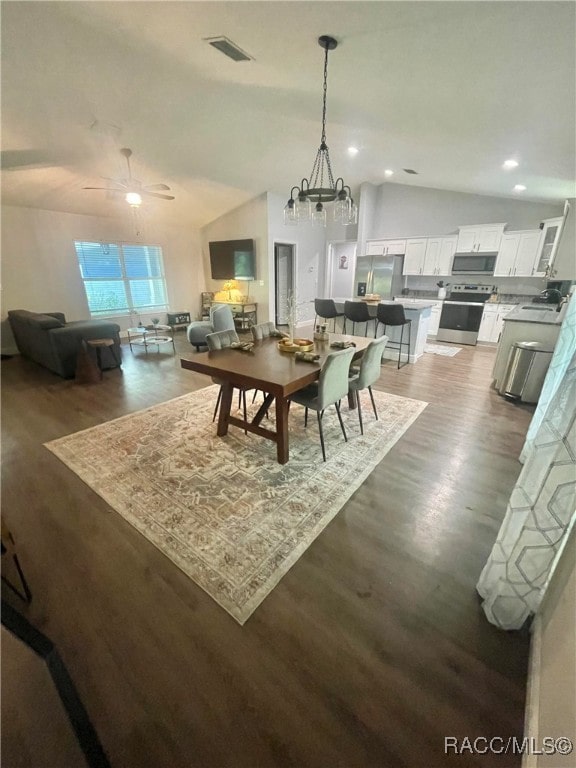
[320, 187]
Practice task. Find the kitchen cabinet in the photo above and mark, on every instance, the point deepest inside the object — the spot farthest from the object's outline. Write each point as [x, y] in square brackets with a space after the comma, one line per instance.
[493, 321]
[480, 238]
[547, 246]
[439, 254]
[414, 256]
[518, 253]
[386, 248]
[434, 322]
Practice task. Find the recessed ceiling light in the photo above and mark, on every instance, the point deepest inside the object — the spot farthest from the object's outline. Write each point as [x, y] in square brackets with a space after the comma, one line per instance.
[510, 164]
[388, 172]
[352, 150]
[519, 188]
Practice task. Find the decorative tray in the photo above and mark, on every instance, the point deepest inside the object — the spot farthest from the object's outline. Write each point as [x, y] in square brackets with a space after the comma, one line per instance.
[297, 345]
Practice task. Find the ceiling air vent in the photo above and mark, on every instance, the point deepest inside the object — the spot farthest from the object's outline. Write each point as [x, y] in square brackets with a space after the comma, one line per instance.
[228, 48]
[410, 170]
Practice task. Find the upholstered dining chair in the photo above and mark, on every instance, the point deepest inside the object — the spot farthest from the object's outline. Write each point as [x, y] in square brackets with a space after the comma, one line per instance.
[326, 310]
[330, 388]
[221, 340]
[367, 374]
[356, 312]
[263, 331]
[393, 315]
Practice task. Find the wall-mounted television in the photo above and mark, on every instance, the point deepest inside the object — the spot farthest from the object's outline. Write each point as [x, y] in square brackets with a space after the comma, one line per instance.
[232, 260]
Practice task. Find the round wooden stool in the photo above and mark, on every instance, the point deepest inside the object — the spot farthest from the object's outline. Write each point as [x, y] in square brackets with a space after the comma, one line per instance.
[98, 345]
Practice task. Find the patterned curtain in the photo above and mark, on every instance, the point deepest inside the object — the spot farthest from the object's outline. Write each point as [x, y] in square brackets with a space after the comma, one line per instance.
[542, 506]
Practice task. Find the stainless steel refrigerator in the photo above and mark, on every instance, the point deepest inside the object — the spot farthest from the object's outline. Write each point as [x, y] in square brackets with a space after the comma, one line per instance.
[379, 274]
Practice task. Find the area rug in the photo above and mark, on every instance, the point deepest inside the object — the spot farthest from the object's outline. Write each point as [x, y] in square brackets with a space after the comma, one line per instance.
[222, 509]
[440, 349]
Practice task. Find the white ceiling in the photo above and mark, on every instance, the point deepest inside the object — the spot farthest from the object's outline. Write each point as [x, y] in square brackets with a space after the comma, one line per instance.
[449, 89]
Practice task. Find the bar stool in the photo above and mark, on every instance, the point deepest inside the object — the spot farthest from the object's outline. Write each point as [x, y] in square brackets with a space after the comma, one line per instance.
[326, 310]
[393, 315]
[357, 312]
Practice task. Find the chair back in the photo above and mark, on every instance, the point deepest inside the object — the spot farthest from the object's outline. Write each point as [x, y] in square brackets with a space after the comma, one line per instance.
[221, 318]
[262, 330]
[325, 308]
[391, 314]
[221, 339]
[333, 381]
[371, 362]
[356, 311]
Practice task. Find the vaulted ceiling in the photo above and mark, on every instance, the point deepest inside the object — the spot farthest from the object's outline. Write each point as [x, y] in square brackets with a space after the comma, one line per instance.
[448, 89]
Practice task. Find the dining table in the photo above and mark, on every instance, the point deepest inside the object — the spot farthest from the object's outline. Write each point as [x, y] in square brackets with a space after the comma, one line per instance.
[276, 373]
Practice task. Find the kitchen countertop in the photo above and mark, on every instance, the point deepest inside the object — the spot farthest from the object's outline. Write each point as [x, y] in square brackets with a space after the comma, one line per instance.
[411, 305]
[542, 316]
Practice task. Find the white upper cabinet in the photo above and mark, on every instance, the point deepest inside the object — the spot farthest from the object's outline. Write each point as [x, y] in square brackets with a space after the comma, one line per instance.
[547, 246]
[447, 251]
[480, 238]
[414, 256]
[518, 253]
[432, 255]
[385, 247]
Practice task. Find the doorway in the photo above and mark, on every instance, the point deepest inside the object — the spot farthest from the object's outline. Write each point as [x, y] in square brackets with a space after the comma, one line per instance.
[283, 279]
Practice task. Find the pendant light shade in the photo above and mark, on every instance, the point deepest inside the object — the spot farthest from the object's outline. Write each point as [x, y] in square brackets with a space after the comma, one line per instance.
[320, 187]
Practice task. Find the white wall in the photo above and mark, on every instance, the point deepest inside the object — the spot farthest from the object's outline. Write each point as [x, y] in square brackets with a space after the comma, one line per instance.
[40, 268]
[248, 221]
[565, 261]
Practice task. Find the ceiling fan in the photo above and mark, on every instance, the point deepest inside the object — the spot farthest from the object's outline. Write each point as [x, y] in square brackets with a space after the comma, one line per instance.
[132, 188]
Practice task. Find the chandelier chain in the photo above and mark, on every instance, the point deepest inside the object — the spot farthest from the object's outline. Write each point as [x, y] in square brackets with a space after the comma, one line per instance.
[323, 140]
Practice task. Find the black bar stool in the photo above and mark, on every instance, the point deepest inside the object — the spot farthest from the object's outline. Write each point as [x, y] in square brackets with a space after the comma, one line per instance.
[393, 314]
[357, 312]
[326, 310]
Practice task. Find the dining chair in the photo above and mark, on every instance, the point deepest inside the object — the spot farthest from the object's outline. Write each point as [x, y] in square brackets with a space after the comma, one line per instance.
[368, 373]
[326, 310]
[263, 331]
[330, 388]
[394, 315]
[215, 342]
[357, 312]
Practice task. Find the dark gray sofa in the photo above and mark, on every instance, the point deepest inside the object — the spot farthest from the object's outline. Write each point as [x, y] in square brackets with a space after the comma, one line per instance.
[52, 342]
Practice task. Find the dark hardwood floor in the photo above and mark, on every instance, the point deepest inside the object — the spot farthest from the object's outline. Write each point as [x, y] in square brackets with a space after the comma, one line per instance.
[368, 653]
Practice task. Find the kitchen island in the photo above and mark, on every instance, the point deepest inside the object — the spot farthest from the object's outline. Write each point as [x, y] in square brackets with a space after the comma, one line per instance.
[417, 311]
[525, 324]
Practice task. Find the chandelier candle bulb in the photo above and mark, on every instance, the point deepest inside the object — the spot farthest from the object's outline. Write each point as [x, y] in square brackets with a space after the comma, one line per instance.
[320, 187]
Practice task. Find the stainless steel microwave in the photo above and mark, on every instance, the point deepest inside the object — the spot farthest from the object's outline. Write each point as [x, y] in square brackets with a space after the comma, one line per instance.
[474, 263]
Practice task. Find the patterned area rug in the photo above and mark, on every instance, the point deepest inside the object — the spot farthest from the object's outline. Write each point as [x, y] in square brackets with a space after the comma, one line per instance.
[440, 349]
[222, 509]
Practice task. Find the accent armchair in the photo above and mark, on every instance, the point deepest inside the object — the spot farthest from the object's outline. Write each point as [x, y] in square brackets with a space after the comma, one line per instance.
[221, 319]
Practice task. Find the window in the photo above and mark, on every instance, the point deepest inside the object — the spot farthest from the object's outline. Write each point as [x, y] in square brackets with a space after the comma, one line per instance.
[120, 277]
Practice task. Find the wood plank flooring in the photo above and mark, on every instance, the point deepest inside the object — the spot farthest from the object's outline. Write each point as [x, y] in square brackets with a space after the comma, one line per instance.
[368, 653]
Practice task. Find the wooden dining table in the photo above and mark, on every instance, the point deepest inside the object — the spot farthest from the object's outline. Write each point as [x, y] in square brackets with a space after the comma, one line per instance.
[277, 374]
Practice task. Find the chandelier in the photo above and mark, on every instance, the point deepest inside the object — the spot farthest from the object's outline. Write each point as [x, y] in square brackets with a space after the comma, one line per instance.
[320, 187]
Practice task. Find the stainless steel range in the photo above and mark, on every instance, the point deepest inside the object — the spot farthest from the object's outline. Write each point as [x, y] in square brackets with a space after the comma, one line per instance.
[462, 313]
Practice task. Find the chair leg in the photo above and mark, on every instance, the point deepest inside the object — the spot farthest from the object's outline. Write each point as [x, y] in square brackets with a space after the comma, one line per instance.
[244, 404]
[305, 417]
[340, 419]
[254, 395]
[217, 404]
[373, 403]
[319, 415]
[400, 345]
[359, 406]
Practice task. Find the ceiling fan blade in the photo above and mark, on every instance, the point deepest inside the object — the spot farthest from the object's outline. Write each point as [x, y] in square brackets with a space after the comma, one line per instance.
[152, 187]
[114, 181]
[157, 194]
[106, 189]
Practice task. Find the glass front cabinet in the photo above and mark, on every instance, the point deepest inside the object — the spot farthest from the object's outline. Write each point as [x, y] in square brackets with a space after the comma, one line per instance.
[551, 231]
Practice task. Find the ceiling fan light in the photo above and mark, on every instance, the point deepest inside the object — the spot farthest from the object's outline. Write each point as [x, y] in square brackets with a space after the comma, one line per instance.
[133, 199]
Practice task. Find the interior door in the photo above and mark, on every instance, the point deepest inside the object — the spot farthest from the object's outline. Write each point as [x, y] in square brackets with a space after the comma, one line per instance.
[284, 279]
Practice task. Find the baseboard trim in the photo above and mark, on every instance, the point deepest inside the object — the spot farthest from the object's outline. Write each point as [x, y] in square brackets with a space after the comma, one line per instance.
[532, 711]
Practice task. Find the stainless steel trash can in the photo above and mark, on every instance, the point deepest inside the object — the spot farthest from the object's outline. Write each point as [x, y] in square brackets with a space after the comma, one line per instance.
[527, 367]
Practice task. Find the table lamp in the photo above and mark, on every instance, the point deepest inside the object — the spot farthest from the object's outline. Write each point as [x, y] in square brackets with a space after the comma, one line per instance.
[228, 286]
